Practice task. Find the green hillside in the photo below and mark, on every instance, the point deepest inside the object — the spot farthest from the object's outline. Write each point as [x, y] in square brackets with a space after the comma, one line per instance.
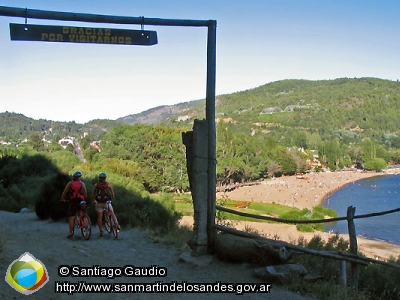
[345, 108]
[266, 131]
[15, 127]
[349, 109]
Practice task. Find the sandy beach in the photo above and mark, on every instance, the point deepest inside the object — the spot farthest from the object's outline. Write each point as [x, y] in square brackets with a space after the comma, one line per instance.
[307, 192]
[302, 193]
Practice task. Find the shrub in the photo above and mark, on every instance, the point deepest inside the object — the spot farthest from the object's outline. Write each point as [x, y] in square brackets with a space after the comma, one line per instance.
[375, 281]
[325, 212]
[296, 214]
[327, 268]
[7, 202]
[376, 164]
[48, 204]
[380, 281]
[309, 227]
[37, 166]
[138, 211]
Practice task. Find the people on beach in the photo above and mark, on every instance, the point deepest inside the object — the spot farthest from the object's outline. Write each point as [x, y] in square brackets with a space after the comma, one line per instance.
[299, 193]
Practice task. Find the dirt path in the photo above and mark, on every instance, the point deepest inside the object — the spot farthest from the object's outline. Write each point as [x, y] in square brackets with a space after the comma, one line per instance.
[47, 242]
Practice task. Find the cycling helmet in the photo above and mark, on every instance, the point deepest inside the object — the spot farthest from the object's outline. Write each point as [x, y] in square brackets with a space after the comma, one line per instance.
[77, 174]
[102, 175]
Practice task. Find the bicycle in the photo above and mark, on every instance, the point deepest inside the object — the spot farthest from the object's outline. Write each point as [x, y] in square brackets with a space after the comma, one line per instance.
[108, 220]
[83, 222]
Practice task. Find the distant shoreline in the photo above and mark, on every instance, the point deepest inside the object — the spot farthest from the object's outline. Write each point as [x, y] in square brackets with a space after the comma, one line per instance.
[327, 195]
[308, 193]
[300, 193]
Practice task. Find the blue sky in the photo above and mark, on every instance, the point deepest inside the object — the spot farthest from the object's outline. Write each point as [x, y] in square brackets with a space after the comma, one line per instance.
[258, 41]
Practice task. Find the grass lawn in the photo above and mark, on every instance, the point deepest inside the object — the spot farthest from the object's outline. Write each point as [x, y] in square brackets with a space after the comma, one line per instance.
[184, 206]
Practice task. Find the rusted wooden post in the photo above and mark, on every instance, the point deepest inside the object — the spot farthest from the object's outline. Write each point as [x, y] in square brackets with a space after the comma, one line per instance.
[353, 246]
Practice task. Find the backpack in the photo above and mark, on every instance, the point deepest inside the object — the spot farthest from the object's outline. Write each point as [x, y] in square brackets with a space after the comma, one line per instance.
[76, 191]
[103, 192]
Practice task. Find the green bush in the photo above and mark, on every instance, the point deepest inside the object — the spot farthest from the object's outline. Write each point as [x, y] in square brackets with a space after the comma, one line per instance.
[376, 164]
[325, 212]
[381, 281]
[37, 166]
[7, 202]
[375, 281]
[15, 193]
[317, 213]
[48, 203]
[145, 212]
[328, 269]
[296, 214]
[310, 227]
[23, 179]
[64, 160]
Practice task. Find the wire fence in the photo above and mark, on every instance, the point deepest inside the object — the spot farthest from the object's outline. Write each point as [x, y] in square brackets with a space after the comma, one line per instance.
[235, 212]
[353, 257]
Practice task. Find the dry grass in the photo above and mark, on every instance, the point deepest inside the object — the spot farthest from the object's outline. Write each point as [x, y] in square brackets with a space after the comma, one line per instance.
[177, 236]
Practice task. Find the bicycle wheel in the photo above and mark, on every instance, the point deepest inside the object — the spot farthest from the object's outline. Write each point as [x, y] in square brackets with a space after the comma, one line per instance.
[106, 222]
[86, 228]
[113, 227]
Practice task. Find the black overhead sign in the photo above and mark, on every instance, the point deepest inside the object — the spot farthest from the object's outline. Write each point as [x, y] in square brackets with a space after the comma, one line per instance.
[83, 35]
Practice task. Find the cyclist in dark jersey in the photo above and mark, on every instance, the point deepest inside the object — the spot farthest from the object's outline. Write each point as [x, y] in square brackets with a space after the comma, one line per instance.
[102, 192]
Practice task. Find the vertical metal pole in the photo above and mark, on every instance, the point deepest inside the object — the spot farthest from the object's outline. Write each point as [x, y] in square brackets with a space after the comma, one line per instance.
[353, 246]
[210, 117]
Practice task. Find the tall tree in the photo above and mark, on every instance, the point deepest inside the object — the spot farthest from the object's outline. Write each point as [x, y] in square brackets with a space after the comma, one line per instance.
[369, 149]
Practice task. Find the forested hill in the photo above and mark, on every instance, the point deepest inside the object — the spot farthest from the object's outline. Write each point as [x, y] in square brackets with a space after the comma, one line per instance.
[158, 115]
[345, 108]
[260, 132]
[16, 127]
[350, 109]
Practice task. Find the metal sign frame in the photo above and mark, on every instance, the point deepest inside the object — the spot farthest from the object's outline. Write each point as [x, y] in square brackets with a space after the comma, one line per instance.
[211, 78]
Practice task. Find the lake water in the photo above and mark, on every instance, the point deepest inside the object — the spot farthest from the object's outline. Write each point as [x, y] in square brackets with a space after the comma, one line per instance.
[370, 195]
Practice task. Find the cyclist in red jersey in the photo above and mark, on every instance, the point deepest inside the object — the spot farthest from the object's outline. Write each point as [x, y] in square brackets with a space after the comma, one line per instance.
[75, 191]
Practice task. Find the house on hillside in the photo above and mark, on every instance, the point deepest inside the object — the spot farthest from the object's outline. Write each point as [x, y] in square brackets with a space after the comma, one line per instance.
[96, 145]
[64, 142]
[314, 161]
[183, 118]
[271, 110]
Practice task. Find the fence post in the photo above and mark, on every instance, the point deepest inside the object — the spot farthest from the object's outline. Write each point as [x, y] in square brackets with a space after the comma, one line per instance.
[196, 143]
[353, 246]
[342, 275]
